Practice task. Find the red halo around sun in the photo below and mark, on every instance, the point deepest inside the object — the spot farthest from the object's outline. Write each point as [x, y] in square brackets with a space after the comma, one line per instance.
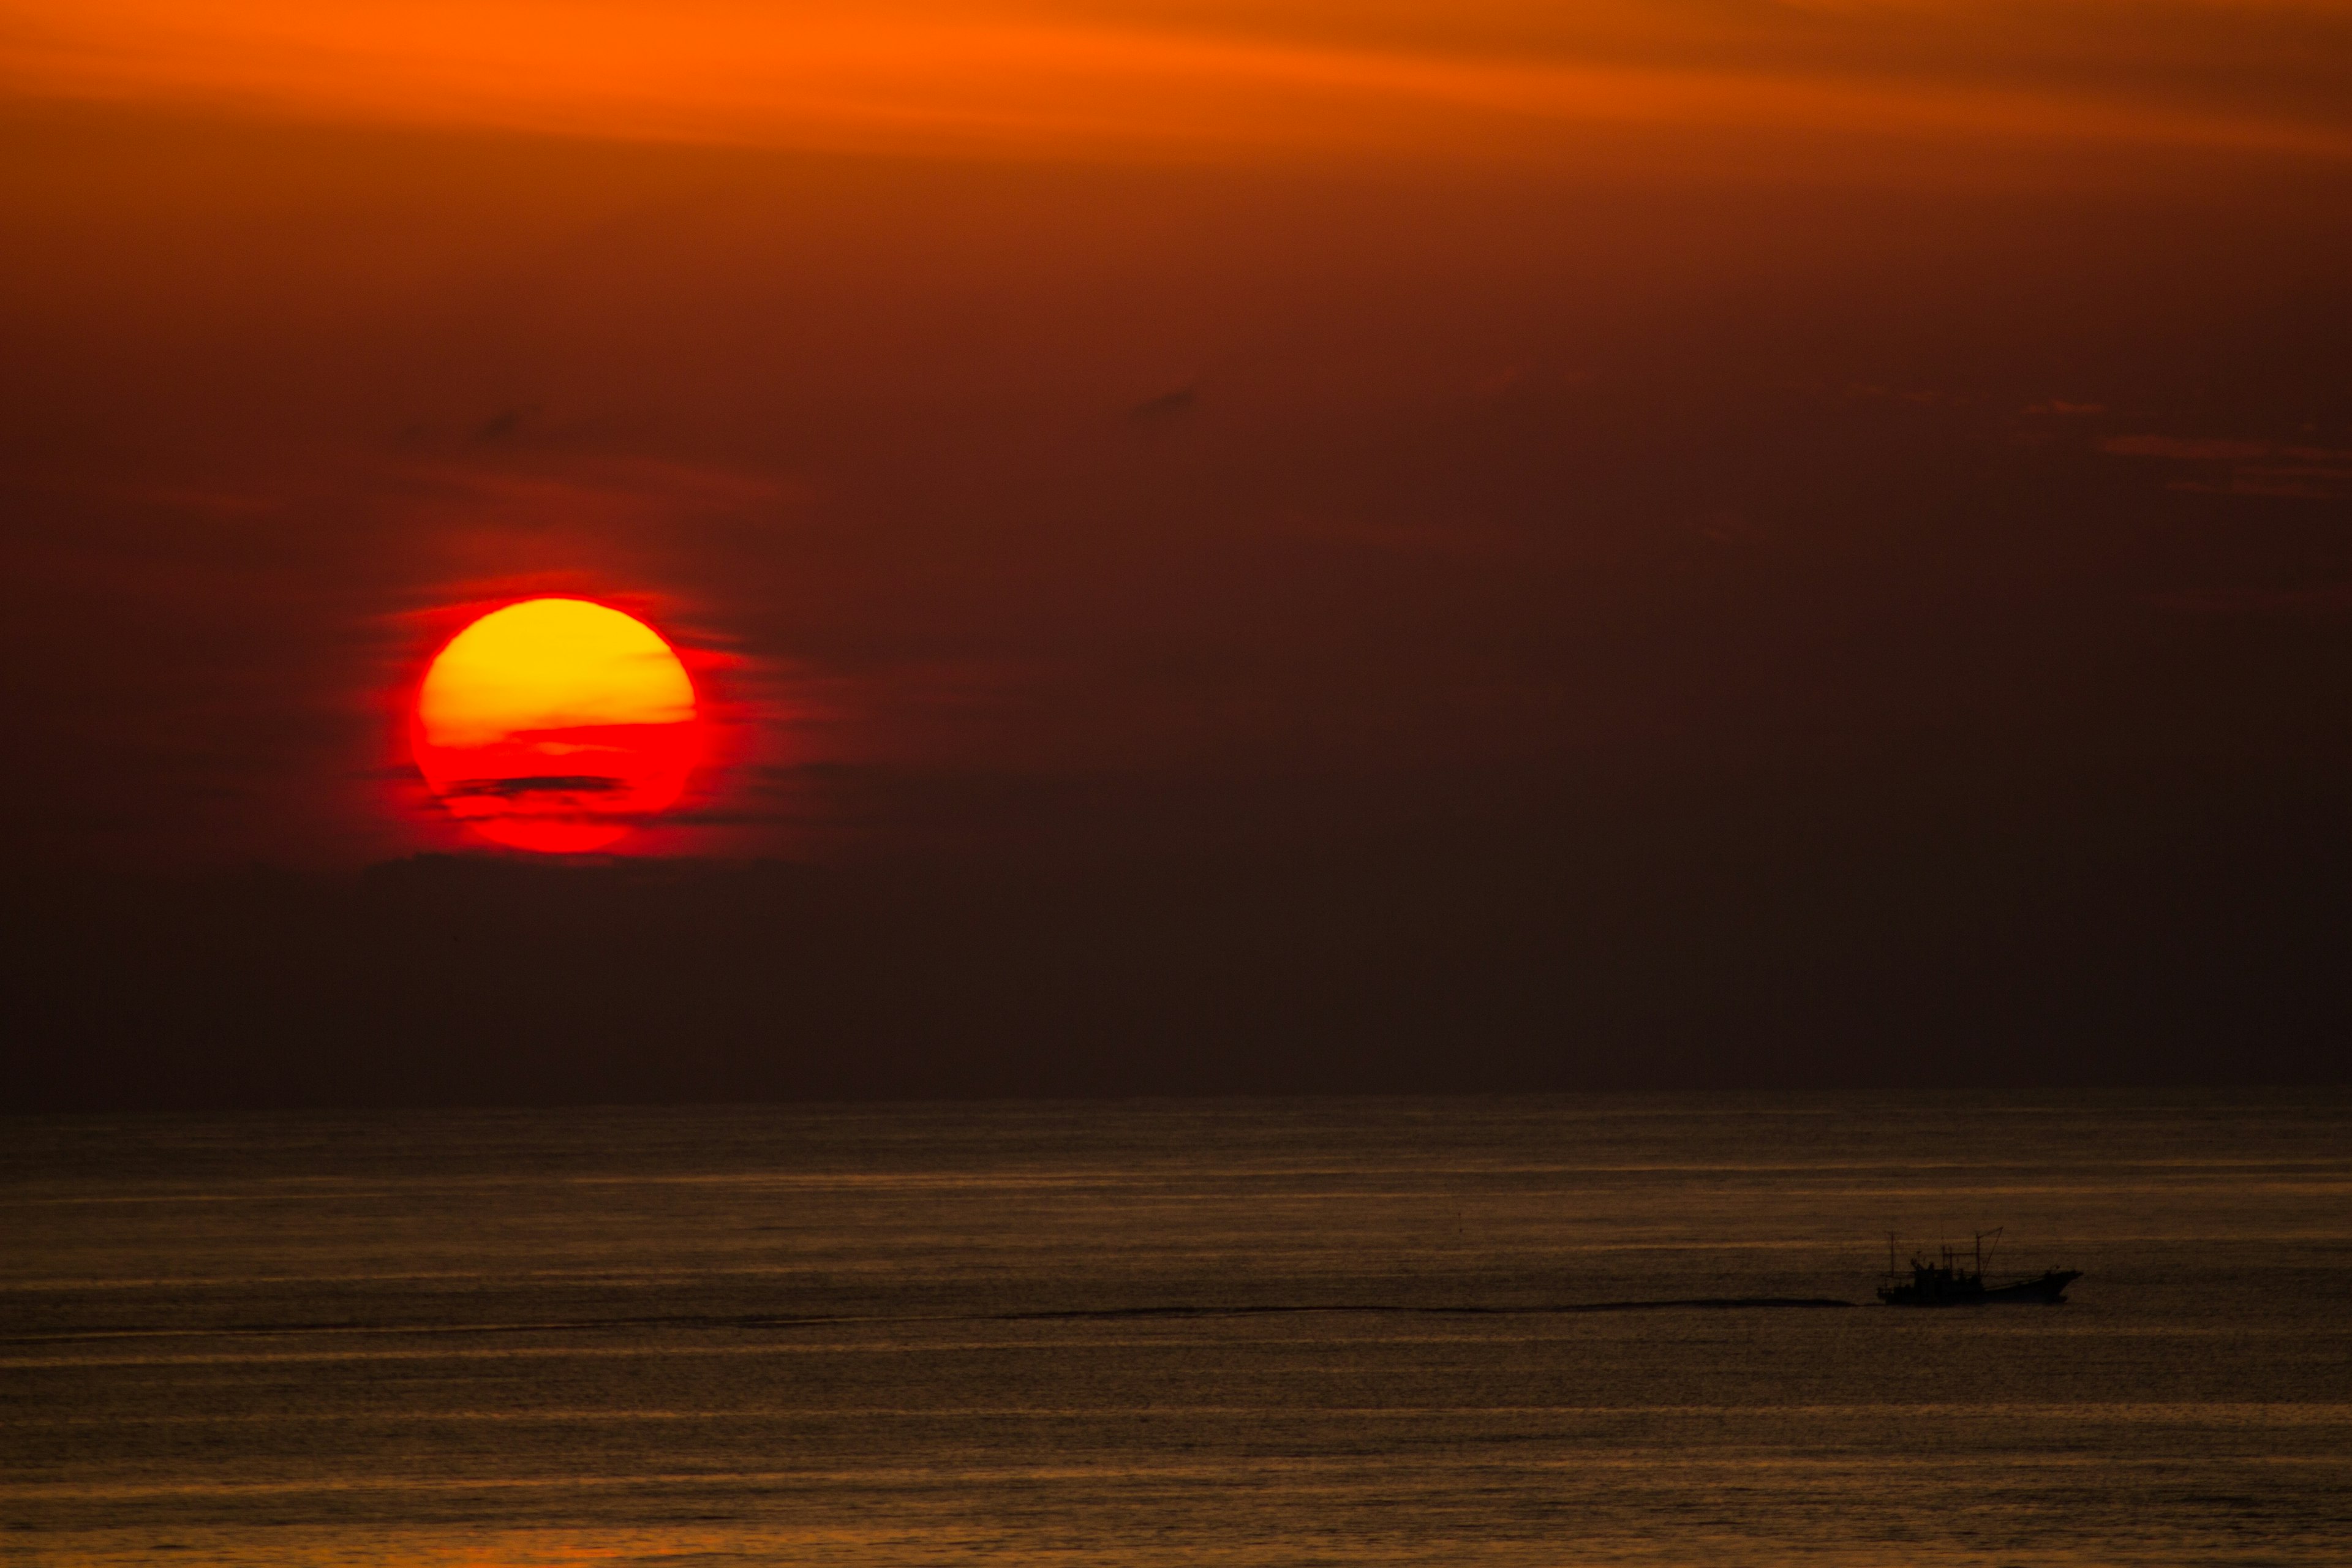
[556, 725]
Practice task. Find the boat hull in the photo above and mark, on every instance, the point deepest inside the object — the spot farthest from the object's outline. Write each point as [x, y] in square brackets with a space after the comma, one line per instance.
[2049, 1290]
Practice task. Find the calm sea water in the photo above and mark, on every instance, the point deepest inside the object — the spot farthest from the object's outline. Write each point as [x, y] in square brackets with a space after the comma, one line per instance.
[940, 1334]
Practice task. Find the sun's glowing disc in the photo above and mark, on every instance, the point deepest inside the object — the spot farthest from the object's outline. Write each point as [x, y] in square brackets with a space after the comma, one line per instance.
[556, 725]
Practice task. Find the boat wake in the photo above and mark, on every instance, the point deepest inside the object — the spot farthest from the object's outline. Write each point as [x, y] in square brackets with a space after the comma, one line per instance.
[851, 1320]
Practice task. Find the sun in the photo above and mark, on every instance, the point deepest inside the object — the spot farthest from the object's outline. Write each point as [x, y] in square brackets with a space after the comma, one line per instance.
[557, 725]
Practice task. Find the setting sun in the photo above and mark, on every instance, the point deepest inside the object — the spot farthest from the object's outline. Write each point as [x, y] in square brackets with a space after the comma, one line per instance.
[555, 725]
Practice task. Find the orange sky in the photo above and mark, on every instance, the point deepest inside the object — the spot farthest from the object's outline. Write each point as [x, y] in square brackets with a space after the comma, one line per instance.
[1228, 80]
[1265, 405]
[1439, 530]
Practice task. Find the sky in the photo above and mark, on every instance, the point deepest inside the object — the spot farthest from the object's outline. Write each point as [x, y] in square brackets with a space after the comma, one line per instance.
[1221, 545]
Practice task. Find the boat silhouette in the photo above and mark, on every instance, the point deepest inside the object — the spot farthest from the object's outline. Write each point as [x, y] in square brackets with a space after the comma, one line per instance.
[1953, 1281]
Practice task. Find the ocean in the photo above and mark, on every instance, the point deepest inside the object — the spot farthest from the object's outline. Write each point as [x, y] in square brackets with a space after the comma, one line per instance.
[1219, 1331]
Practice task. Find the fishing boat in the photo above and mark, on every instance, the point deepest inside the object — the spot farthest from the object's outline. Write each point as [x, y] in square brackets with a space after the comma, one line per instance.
[1957, 1280]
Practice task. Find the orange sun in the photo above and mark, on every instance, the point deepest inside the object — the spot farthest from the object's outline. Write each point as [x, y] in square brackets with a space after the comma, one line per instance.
[555, 725]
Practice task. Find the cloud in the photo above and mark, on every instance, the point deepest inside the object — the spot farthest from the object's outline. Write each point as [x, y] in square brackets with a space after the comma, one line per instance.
[2290, 484]
[1088, 78]
[2185, 450]
[1871, 393]
[502, 426]
[2269, 468]
[537, 783]
[1166, 409]
[2333, 598]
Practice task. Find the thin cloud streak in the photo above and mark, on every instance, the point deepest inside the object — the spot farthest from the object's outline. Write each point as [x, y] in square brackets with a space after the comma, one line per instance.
[1093, 84]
